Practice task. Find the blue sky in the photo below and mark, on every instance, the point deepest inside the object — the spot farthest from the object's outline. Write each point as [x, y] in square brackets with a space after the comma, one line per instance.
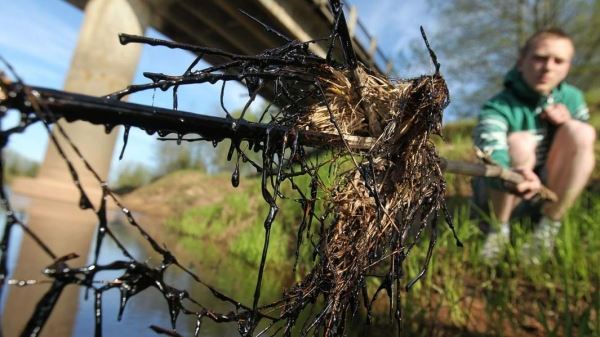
[39, 36]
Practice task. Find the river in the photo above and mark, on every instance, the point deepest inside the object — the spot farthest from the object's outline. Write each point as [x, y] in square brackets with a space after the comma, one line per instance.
[230, 274]
[149, 307]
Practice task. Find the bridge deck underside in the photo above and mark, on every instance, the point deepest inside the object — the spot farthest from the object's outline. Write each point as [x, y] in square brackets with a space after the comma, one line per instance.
[221, 24]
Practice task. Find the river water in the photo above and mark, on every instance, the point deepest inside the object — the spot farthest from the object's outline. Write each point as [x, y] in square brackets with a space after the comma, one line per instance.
[149, 307]
[232, 275]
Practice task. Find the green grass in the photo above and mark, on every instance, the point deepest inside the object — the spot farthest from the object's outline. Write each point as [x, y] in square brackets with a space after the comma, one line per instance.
[460, 294]
[559, 297]
[237, 223]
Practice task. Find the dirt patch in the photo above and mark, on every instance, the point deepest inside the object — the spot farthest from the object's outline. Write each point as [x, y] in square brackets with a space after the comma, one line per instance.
[176, 192]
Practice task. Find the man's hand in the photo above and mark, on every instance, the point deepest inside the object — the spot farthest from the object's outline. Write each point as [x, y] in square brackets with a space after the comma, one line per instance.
[528, 188]
[531, 186]
[556, 114]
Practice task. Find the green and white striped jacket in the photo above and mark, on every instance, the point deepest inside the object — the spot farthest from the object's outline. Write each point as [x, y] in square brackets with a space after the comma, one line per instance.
[518, 108]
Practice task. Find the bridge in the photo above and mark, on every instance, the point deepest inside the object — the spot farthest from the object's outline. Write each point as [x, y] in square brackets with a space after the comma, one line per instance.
[221, 24]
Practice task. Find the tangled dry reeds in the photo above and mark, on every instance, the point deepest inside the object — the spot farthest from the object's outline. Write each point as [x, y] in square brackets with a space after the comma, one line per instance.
[384, 204]
[390, 196]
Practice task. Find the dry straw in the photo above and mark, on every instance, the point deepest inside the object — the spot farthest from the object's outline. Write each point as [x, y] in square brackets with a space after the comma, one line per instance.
[387, 200]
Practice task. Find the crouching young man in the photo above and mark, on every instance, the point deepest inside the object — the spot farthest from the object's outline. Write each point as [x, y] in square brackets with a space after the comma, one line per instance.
[537, 126]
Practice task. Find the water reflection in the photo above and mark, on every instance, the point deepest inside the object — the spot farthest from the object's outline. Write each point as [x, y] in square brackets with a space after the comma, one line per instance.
[13, 250]
[147, 308]
[211, 261]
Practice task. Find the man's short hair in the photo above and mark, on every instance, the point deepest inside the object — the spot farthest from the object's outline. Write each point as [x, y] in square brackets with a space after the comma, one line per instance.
[543, 33]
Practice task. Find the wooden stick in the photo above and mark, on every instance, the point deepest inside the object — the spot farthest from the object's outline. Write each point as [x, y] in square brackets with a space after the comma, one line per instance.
[463, 167]
[110, 112]
[484, 170]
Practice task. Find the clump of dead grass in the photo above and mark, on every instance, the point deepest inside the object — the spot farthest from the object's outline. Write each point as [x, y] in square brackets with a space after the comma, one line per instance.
[385, 203]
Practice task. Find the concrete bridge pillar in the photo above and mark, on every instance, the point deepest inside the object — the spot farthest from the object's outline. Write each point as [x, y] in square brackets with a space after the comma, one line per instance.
[100, 65]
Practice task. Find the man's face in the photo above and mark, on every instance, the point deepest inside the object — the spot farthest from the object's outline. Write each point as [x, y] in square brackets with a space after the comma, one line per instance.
[546, 63]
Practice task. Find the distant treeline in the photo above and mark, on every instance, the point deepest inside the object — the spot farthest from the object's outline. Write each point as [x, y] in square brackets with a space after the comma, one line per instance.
[18, 165]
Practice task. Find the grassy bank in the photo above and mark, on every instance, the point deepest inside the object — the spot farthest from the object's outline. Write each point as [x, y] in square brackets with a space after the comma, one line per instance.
[558, 297]
[461, 294]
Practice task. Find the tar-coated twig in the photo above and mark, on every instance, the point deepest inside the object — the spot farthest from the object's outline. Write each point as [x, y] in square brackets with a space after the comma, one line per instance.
[360, 220]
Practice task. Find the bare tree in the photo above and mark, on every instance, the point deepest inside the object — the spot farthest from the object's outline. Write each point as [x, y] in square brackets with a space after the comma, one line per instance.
[478, 42]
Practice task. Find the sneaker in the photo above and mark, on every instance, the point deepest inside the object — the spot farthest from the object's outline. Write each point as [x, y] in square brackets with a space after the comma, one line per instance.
[542, 240]
[495, 243]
